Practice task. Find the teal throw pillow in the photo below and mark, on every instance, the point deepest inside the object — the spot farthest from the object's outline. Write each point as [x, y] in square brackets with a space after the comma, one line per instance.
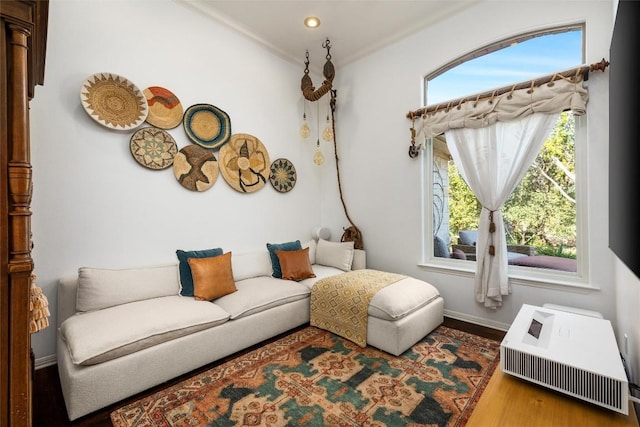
[275, 262]
[185, 270]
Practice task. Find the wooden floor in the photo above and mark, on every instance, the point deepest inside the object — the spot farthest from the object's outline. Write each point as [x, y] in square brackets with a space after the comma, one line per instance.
[49, 409]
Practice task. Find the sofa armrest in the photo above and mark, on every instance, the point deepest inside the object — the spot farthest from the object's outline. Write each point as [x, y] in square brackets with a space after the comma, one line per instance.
[359, 259]
[67, 292]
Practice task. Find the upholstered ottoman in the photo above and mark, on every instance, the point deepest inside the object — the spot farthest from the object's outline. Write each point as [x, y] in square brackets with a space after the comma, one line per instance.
[402, 313]
[401, 310]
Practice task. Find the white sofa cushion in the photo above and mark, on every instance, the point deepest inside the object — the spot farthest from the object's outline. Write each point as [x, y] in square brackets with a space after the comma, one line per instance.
[250, 264]
[335, 254]
[261, 293]
[401, 298]
[101, 335]
[321, 271]
[101, 288]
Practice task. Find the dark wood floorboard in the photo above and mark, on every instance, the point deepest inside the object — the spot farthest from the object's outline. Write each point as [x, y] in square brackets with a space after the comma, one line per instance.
[48, 403]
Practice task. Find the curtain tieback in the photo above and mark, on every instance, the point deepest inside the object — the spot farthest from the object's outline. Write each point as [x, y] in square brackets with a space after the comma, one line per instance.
[492, 229]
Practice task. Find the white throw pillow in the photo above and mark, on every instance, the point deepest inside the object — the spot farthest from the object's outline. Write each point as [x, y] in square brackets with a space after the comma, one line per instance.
[101, 288]
[335, 254]
[250, 264]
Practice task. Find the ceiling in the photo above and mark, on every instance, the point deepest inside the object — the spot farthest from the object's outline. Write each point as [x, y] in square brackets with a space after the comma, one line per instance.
[355, 28]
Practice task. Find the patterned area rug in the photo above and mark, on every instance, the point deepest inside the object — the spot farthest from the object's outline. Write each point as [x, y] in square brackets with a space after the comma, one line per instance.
[315, 378]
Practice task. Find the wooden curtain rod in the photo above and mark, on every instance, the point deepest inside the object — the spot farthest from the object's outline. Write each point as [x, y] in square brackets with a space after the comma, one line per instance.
[582, 70]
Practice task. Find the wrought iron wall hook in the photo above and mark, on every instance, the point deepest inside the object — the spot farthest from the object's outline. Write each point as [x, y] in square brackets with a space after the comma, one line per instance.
[306, 62]
[327, 45]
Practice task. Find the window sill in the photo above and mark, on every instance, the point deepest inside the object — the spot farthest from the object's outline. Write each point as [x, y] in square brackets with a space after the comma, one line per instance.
[524, 276]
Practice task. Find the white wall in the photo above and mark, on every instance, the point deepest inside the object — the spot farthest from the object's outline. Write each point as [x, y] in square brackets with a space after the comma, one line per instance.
[94, 205]
[383, 185]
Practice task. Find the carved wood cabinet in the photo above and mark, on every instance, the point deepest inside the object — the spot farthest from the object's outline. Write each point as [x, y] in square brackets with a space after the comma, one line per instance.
[23, 42]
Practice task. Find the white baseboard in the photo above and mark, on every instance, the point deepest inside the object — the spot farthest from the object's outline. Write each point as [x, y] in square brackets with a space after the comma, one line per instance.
[477, 320]
[43, 362]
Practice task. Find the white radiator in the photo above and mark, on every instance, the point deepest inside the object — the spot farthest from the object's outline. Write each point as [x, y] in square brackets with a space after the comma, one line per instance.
[571, 353]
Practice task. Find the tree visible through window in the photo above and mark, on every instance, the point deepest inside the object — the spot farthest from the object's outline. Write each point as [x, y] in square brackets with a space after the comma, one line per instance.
[540, 216]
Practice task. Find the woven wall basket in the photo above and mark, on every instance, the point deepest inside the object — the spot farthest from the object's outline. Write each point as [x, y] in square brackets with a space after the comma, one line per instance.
[113, 101]
[153, 148]
[244, 163]
[165, 109]
[195, 168]
[283, 175]
[207, 125]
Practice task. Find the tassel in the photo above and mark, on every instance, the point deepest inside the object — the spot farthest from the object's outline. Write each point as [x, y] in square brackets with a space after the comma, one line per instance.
[38, 308]
[492, 250]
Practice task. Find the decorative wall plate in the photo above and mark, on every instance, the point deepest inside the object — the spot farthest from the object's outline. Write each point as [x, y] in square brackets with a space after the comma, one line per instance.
[283, 175]
[244, 163]
[165, 109]
[207, 125]
[195, 168]
[153, 148]
[113, 101]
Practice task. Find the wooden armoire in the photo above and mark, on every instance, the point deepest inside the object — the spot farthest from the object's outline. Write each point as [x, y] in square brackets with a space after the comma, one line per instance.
[23, 40]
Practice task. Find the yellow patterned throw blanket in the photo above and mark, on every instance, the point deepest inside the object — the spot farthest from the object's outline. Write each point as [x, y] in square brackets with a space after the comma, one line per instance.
[339, 303]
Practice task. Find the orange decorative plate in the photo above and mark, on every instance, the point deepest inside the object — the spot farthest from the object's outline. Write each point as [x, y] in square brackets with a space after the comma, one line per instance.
[165, 109]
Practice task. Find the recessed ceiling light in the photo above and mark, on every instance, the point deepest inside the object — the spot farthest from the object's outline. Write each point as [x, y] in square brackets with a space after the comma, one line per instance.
[312, 22]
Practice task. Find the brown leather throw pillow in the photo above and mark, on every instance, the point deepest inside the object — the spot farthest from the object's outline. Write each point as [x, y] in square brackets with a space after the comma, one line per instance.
[212, 277]
[295, 264]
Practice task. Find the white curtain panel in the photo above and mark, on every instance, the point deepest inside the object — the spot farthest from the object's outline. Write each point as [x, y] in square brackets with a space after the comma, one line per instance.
[493, 160]
[493, 141]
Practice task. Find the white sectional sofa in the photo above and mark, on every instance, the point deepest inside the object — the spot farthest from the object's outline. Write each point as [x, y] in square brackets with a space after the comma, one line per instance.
[121, 332]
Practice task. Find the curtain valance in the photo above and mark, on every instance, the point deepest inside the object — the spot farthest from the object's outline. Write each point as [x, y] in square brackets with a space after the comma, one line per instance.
[553, 97]
[554, 93]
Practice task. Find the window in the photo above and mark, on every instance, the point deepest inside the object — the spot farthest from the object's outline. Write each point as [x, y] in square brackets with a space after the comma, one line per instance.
[542, 215]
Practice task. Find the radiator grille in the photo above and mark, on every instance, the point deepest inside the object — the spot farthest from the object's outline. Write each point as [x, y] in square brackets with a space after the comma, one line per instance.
[594, 388]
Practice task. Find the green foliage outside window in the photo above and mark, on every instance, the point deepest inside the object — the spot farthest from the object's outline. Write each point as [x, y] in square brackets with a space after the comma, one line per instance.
[542, 210]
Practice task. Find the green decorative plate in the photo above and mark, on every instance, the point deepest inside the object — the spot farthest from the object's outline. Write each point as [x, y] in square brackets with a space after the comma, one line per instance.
[283, 175]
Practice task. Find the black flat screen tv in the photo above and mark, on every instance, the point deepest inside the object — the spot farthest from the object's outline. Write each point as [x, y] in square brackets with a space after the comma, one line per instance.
[624, 141]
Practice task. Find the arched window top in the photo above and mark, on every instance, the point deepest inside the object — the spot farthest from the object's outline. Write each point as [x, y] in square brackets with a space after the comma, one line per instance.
[508, 61]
